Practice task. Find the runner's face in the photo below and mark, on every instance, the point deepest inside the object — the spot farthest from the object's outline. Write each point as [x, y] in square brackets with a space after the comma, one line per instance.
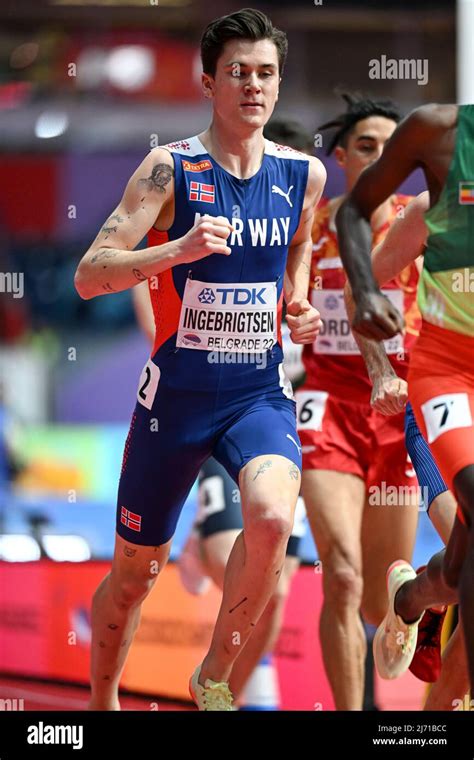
[364, 146]
[245, 88]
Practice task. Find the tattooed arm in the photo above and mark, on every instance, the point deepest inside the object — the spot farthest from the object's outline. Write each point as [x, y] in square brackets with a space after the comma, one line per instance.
[111, 264]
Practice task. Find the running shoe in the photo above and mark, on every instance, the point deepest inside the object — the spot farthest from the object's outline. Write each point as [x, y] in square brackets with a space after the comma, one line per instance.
[395, 641]
[213, 696]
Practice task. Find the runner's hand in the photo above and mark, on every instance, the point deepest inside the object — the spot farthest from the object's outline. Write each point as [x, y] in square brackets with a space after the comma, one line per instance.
[376, 317]
[304, 321]
[389, 395]
[208, 236]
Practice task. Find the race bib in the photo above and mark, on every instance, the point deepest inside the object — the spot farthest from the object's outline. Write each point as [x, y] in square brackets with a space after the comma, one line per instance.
[211, 497]
[148, 384]
[335, 336]
[310, 408]
[446, 412]
[238, 317]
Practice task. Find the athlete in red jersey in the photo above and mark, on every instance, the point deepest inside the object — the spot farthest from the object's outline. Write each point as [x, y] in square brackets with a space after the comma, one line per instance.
[359, 488]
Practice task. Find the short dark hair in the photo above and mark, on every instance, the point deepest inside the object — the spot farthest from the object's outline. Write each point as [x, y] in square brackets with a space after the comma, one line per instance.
[358, 108]
[289, 132]
[247, 24]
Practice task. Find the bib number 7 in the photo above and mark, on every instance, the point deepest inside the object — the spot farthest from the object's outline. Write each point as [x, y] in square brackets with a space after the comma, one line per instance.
[446, 412]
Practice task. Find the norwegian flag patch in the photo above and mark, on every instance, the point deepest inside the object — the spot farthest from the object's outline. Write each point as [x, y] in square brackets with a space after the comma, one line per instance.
[131, 520]
[198, 191]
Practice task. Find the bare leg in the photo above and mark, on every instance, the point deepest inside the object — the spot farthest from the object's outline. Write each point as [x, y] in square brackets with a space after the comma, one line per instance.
[427, 589]
[464, 488]
[216, 550]
[269, 488]
[334, 503]
[388, 533]
[266, 632]
[453, 682]
[116, 615]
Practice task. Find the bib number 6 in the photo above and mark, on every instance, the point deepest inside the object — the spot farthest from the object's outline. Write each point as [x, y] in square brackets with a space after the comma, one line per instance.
[310, 407]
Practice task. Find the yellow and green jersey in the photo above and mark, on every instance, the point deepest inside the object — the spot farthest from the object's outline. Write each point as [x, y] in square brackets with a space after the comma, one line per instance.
[446, 290]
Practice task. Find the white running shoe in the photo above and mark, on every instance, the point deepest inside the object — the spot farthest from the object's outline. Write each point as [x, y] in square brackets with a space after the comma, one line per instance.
[215, 696]
[395, 641]
[190, 566]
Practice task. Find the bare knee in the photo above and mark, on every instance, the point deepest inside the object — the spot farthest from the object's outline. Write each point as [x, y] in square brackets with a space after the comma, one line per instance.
[343, 585]
[268, 526]
[130, 590]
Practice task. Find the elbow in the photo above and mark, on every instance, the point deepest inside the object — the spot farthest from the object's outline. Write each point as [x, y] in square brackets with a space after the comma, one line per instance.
[82, 284]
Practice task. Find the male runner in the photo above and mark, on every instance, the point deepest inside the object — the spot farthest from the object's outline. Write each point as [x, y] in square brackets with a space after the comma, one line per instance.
[403, 243]
[215, 383]
[219, 519]
[351, 451]
[440, 140]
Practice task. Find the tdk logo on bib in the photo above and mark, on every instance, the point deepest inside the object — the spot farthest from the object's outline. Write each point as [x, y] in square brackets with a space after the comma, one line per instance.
[242, 296]
[233, 316]
[206, 296]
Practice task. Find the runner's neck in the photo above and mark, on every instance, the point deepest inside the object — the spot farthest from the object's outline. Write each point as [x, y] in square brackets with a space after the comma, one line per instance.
[241, 156]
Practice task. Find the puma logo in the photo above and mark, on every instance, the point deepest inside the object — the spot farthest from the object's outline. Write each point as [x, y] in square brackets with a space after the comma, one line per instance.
[279, 191]
[293, 441]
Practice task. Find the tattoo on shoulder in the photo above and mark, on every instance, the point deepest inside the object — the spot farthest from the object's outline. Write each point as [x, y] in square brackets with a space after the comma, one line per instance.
[263, 467]
[139, 275]
[160, 176]
[108, 288]
[129, 552]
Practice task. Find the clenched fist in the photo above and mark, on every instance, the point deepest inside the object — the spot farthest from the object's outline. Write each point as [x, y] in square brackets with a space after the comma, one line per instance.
[376, 317]
[303, 320]
[389, 395]
[208, 236]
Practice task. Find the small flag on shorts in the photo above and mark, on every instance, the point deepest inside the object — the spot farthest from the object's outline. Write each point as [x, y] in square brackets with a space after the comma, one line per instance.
[198, 191]
[466, 192]
[131, 520]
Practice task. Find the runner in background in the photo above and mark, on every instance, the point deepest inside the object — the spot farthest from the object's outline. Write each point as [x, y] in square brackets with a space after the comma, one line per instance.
[352, 454]
[405, 242]
[440, 140]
